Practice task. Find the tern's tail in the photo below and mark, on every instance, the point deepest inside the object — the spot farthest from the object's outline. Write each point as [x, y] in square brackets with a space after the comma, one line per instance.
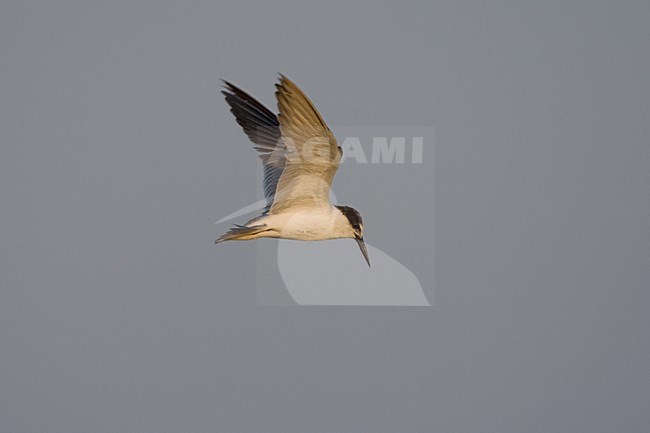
[243, 233]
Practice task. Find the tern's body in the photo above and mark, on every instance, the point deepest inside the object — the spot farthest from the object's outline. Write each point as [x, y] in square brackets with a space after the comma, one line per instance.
[306, 224]
[300, 157]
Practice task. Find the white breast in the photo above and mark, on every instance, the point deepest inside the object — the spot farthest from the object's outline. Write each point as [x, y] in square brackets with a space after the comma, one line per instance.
[308, 224]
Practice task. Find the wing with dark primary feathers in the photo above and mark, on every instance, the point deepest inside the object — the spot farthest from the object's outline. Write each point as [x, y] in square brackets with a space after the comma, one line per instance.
[263, 129]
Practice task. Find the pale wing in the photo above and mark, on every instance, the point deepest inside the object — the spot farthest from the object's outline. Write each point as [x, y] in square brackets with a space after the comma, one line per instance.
[312, 154]
[262, 128]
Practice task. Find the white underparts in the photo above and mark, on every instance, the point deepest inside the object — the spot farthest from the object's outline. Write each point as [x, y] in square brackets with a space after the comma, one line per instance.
[307, 224]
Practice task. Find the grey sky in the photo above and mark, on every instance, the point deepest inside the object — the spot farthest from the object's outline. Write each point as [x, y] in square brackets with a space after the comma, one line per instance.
[118, 314]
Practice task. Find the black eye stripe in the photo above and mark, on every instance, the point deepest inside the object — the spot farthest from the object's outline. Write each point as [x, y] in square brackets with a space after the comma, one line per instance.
[352, 215]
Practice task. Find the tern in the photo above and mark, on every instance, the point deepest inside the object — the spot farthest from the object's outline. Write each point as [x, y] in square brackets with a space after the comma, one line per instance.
[300, 157]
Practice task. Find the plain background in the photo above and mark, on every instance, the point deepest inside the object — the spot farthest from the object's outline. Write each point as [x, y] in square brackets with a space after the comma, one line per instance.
[117, 314]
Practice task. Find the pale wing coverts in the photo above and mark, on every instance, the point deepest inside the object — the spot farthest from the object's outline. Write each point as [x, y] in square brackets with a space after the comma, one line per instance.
[311, 153]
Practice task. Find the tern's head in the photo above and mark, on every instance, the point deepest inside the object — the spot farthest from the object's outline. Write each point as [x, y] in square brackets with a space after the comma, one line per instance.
[354, 228]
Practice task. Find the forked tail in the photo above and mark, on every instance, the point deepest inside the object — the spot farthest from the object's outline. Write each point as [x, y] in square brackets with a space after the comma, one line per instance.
[243, 233]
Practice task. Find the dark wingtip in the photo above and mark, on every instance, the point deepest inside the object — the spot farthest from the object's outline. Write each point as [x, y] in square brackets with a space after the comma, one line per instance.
[226, 88]
[227, 85]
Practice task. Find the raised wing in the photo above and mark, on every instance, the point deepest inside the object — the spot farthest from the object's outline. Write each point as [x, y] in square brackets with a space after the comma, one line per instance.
[311, 153]
[263, 129]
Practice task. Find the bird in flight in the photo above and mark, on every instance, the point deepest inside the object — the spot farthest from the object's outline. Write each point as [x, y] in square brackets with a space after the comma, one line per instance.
[300, 157]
